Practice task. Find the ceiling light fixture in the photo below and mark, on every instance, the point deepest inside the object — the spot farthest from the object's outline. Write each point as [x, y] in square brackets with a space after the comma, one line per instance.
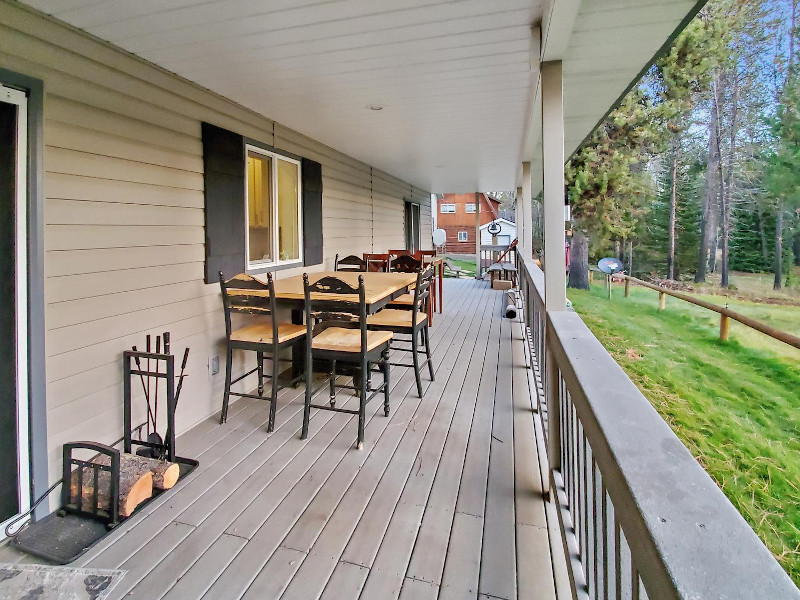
[375, 107]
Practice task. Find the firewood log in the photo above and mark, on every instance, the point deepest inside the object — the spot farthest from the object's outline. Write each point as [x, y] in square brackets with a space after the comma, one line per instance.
[165, 473]
[135, 486]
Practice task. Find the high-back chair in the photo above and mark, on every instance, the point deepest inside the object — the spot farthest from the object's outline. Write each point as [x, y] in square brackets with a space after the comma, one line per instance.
[378, 262]
[351, 263]
[262, 334]
[405, 263]
[337, 335]
[413, 323]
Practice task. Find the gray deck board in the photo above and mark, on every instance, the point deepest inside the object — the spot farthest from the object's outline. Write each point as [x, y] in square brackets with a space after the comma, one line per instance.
[498, 557]
[444, 501]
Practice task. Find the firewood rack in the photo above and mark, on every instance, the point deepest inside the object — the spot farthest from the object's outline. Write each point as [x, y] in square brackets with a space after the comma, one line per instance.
[64, 535]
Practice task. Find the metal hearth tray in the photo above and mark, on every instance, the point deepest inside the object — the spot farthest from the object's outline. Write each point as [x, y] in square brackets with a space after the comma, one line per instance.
[61, 537]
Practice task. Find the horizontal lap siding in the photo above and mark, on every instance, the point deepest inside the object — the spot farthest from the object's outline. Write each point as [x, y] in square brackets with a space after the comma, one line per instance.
[124, 239]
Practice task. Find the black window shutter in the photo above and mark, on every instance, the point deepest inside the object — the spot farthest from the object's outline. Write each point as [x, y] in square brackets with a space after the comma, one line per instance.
[223, 172]
[312, 212]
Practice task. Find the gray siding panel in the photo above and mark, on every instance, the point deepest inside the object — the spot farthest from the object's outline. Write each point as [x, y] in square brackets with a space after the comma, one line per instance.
[124, 241]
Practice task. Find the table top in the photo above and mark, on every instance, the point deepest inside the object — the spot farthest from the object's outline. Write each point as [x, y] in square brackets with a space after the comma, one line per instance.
[377, 286]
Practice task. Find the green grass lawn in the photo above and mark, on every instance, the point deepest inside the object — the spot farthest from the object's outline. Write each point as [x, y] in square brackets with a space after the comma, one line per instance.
[467, 266]
[736, 404]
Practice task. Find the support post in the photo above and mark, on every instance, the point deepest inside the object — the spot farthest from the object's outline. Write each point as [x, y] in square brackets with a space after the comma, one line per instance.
[724, 327]
[555, 289]
[518, 210]
[627, 287]
[662, 301]
[477, 235]
[525, 235]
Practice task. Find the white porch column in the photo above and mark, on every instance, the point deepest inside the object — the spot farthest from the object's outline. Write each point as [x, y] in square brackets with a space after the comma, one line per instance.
[553, 192]
[518, 219]
[477, 235]
[525, 235]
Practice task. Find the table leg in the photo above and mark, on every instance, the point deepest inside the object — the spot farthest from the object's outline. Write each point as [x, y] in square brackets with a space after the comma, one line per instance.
[298, 350]
[441, 286]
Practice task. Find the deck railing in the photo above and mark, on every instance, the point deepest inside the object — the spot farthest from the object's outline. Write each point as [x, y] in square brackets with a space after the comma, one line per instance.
[639, 516]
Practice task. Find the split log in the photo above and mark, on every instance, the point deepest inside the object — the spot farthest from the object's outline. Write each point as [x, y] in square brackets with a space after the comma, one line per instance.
[135, 486]
[165, 473]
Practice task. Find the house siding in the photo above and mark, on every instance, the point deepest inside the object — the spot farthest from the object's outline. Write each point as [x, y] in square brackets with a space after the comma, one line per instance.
[124, 235]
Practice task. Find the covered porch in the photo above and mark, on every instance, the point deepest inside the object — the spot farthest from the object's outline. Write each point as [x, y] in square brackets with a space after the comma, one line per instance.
[445, 500]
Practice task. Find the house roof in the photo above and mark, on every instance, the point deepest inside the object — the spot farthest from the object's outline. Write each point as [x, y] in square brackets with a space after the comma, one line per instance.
[457, 83]
[500, 219]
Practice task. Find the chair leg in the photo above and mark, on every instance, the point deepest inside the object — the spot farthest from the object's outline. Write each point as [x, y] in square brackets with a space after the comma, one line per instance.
[226, 397]
[386, 368]
[273, 405]
[332, 383]
[362, 407]
[307, 407]
[427, 333]
[415, 356]
[260, 358]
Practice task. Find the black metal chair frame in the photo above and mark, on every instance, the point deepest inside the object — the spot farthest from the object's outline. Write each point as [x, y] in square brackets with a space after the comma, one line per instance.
[351, 263]
[416, 330]
[254, 304]
[324, 313]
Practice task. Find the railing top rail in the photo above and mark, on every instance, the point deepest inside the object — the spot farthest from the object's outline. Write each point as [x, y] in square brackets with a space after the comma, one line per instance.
[687, 539]
[535, 273]
[777, 334]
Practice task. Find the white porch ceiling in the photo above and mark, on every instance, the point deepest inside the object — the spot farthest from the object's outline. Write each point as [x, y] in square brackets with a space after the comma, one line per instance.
[454, 77]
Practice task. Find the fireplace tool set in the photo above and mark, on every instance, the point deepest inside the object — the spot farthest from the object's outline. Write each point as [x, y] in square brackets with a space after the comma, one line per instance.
[102, 485]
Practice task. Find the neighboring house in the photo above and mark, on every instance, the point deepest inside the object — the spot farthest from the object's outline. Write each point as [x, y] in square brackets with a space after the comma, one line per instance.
[456, 215]
[506, 235]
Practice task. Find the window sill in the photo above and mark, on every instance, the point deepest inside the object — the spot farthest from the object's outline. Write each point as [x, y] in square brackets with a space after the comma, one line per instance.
[258, 269]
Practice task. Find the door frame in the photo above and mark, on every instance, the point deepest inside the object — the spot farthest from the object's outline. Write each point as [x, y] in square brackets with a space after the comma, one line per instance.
[19, 99]
[33, 225]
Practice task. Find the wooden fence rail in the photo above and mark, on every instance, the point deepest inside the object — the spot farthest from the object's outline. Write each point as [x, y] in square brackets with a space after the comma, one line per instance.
[725, 313]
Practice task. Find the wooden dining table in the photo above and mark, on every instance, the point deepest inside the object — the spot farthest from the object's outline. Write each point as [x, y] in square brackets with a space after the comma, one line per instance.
[379, 290]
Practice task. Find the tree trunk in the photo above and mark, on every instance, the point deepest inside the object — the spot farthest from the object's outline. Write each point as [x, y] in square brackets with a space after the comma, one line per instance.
[135, 486]
[673, 208]
[708, 245]
[726, 180]
[579, 261]
[796, 249]
[763, 234]
[630, 258]
[778, 282]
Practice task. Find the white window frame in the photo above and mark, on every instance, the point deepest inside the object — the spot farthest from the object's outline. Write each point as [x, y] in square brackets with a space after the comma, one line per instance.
[12, 96]
[253, 265]
[469, 208]
[466, 236]
[445, 209]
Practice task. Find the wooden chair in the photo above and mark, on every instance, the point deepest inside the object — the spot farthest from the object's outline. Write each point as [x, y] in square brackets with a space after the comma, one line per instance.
[336, 334]
[405, 263]
[378, 262]
[413, 323]
[350, 263]
[264, 335]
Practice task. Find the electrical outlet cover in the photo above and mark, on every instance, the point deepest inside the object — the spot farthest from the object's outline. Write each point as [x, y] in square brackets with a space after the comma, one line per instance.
[213, 365]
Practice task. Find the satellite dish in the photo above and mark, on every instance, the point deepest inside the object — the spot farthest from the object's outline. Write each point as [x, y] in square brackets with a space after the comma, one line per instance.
[609, 266]
[439, 237]
[494, 228]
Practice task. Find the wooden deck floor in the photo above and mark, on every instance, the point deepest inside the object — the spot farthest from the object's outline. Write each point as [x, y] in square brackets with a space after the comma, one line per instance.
[444, 501]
